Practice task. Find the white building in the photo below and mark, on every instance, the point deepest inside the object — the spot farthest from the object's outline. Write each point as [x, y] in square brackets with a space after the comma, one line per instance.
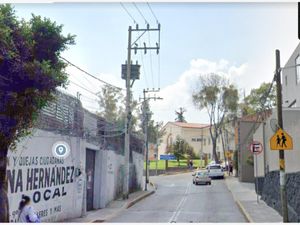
[291, 80]
[197, 135]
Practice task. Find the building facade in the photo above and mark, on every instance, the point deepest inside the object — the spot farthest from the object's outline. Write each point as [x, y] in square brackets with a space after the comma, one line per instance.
[196, 135]
[88, 178]
[267, 174]
[291, 80]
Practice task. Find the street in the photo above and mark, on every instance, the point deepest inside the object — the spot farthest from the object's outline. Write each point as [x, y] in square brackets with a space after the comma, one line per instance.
[178, 200]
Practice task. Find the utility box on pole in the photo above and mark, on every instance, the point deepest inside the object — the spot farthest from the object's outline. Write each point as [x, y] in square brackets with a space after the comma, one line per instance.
[135, 72]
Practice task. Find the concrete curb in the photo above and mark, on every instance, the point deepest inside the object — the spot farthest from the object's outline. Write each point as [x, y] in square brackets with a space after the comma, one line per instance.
[174, 173]
[240, 205]
[129, 204]
[246, 214]
[126, 206]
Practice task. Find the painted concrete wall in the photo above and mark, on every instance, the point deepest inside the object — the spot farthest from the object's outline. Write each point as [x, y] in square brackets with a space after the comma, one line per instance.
[246, 170]
[64, 199]
[54, 196]
[259, 160]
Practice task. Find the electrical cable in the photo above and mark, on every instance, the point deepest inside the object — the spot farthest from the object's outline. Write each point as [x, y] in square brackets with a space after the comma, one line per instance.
[84, 88]
[158, 74]
[140, 12]
[263, 100]
[151, 65]
[89, 74]
[128, 13]
[152, 12]
[143, 65]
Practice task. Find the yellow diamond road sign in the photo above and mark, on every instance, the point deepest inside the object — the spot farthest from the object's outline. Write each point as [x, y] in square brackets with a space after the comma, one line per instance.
[228, 153]
[281, 140]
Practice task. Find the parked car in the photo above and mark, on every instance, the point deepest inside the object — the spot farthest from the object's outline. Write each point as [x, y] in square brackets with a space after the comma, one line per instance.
[224, 166]
[215, 171]
[201, 177]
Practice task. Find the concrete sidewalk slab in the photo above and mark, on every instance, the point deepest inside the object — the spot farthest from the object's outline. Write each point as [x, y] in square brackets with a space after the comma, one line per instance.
[245, 196]
[113, 208]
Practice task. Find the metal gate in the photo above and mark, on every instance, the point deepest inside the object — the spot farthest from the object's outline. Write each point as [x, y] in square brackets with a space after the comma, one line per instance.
[90, 175]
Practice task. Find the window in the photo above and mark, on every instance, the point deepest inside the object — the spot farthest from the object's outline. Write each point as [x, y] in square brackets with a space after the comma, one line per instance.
[198, 139]
[215, 167]
[297, 70]
[285, 80]
[193, 139]
[204, 141]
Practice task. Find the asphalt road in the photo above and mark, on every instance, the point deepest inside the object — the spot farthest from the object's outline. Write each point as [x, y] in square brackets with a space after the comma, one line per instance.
[178, 200]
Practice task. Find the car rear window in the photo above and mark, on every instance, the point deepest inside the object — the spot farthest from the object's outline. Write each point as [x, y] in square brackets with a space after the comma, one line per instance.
[202, 174]
[215, 167]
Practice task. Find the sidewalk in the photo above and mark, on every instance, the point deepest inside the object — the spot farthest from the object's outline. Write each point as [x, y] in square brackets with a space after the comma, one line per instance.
[245, 196]
[113, 208]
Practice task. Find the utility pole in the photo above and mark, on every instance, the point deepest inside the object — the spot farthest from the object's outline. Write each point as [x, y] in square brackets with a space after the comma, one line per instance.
[146, 113]
[128, 77]
[127, 120]
[281, 152]
[156, 162]
[201, 153]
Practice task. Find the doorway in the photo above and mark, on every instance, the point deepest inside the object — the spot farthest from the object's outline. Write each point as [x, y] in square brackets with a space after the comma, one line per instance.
[90, 175]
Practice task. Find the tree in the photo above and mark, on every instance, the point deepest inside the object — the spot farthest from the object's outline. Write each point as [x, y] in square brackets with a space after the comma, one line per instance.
[110, 98]
[155, 130]
[112, 103]
[259, 99]
[180, 117]
[181, 149]
[30, 70]
[220, 98]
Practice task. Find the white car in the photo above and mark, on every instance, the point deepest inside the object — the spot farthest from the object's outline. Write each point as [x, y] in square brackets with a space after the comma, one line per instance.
[201, 177]
[215, 171]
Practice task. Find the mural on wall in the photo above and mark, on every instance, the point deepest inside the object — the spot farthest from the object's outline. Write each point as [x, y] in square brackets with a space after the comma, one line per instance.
[47, 180]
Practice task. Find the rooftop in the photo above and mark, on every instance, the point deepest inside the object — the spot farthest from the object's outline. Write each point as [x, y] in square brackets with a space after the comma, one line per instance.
[189, 125]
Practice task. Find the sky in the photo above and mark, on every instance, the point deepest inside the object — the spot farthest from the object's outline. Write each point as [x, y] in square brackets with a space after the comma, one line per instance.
[237, 40]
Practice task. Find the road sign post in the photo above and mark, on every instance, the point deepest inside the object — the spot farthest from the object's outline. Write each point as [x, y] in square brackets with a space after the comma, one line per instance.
[256, 183]
[256, 148]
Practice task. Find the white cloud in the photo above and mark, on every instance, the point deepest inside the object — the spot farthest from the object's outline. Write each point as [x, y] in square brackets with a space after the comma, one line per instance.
[179, 94]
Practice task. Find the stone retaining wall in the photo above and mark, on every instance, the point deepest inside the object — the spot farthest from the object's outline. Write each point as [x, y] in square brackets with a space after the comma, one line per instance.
[271, 193]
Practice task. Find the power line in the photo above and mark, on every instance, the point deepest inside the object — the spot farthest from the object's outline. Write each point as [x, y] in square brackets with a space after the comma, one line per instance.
[89, 74]
[152, 12]
[158, 74]
[263, 100]
[128, 13]
[142, 15]
[151, 66]
[142, 58]
[84, 88]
